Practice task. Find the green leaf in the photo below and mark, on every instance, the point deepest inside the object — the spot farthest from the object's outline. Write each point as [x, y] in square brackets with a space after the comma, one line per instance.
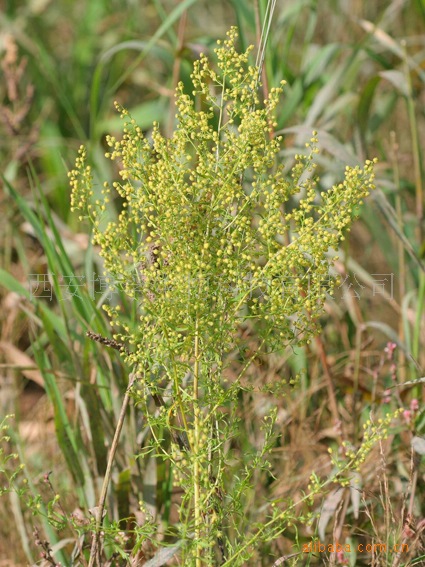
[67, 440]
[12, 284]
[365, 102]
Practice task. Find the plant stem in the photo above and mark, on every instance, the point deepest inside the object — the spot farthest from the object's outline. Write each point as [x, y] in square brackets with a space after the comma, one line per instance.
[417, 165]
[102, 499]
[400, 253]
[196, 472]
[416, 150]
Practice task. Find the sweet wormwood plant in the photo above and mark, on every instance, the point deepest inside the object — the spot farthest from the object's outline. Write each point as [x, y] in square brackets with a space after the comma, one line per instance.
[204, 245]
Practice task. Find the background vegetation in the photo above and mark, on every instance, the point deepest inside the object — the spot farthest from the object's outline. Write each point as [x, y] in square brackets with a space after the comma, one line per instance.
[355, 72]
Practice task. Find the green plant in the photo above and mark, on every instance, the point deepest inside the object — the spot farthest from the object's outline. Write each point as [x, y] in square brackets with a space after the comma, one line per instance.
[204, 244]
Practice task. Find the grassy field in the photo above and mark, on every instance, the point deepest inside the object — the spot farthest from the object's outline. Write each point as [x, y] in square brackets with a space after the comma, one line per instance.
[355, 73]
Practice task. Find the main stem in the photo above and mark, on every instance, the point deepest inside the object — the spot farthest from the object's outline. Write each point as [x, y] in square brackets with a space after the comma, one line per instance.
[196, 436]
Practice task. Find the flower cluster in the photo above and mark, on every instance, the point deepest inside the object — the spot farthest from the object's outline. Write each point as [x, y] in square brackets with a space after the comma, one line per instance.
[354, 458]
[203, 228]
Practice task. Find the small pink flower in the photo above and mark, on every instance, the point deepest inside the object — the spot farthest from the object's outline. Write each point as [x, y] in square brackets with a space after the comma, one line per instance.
[342, 560]
[389, 349]
[407, 414]
[386, 397]
[414, 405]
